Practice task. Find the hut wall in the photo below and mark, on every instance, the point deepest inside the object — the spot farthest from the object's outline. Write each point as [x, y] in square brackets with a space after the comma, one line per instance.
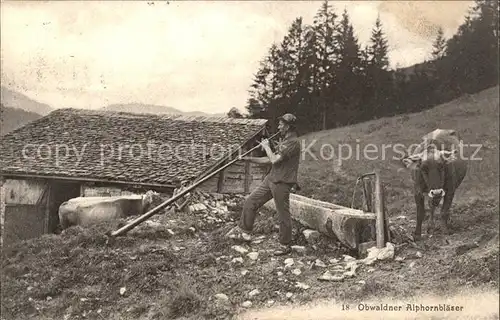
[103, 191]
[24, 209]
[91, 189]
[241, 177]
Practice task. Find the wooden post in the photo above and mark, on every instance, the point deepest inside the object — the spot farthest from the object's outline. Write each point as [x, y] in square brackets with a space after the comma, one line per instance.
[47, 205]
[387, 233]
[368, 203]
[367, 195]
[248, 177]
[220, 182]
[379, 211]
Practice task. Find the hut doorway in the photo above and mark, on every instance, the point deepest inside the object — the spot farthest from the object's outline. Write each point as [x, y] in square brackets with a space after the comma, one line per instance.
[60, 191]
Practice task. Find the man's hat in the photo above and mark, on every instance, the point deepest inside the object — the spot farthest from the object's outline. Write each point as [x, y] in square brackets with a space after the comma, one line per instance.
[288, 118]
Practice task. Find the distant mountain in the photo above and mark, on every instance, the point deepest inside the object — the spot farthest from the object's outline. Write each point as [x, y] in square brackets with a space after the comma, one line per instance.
[155, 109]
[13, 118]
[13, 99]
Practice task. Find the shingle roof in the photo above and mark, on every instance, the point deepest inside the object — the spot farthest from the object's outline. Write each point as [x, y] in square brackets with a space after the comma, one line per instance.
[117, 146]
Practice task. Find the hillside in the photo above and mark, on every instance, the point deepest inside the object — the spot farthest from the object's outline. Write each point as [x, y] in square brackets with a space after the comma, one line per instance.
[13, 118]
[475, 117]
[179, 265]
[13, 99]
[155, 109]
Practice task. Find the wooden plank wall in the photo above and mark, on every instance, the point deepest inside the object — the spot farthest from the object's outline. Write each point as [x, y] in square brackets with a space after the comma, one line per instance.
[103, 191]
[22, 216]
[240, 177]
[235, 178]
[23, 191]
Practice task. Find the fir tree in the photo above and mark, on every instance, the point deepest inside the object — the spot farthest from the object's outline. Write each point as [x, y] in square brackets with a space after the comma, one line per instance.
[439, 46]
[348, 70]
[379, 48]
[325, 28]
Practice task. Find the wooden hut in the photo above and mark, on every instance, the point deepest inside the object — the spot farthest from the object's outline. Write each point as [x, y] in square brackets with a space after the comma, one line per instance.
[73, 152]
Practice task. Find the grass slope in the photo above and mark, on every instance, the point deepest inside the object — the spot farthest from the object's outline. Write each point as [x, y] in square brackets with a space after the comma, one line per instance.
[475, 117]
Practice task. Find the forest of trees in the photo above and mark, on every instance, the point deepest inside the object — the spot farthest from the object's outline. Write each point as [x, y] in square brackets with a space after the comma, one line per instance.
[322, 74]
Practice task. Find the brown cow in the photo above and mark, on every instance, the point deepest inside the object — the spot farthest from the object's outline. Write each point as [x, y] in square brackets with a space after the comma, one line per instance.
[437, 170]
[85, 211]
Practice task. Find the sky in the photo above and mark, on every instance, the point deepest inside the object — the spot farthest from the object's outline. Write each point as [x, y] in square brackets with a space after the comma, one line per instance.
[190, 55]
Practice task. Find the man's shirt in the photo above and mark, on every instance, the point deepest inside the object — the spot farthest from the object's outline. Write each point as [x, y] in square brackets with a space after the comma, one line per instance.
[287, 168]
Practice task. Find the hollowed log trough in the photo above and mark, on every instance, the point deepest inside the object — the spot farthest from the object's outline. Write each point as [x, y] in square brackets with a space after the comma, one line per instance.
[354, 228]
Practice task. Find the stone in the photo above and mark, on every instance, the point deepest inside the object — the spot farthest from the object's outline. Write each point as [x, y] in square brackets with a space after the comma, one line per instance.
[296, 272]
[253, 255]
[280, 273]
[221, 297]
[319, 263]
[270, 302]
[333, 261]
[399, 259]
[338, 268]
[246, 304]
[311, 235]
[122, 291]
[237, 260]
[253, 293]
[289, 262]
[289, 295]
[375, 254]
[349, 274]
[239, 249]
[419, 254]
[153, 224]
[327, 276]
[299, 249]
[301, 285]
[244, 272]
[352, 266]
[348, 258]
[171, 232]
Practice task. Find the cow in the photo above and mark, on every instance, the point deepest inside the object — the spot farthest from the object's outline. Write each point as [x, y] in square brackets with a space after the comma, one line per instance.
[85, 211]
[437, 170]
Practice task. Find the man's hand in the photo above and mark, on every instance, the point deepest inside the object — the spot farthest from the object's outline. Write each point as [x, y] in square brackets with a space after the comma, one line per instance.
[264, 144]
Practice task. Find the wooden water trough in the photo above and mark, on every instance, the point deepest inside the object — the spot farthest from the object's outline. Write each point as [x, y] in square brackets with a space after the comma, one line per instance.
[355, 228]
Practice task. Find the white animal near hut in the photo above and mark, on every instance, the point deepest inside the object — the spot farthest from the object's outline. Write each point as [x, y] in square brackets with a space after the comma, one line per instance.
[85, 211]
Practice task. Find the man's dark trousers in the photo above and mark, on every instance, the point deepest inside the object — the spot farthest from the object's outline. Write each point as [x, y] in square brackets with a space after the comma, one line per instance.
[266, 191]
